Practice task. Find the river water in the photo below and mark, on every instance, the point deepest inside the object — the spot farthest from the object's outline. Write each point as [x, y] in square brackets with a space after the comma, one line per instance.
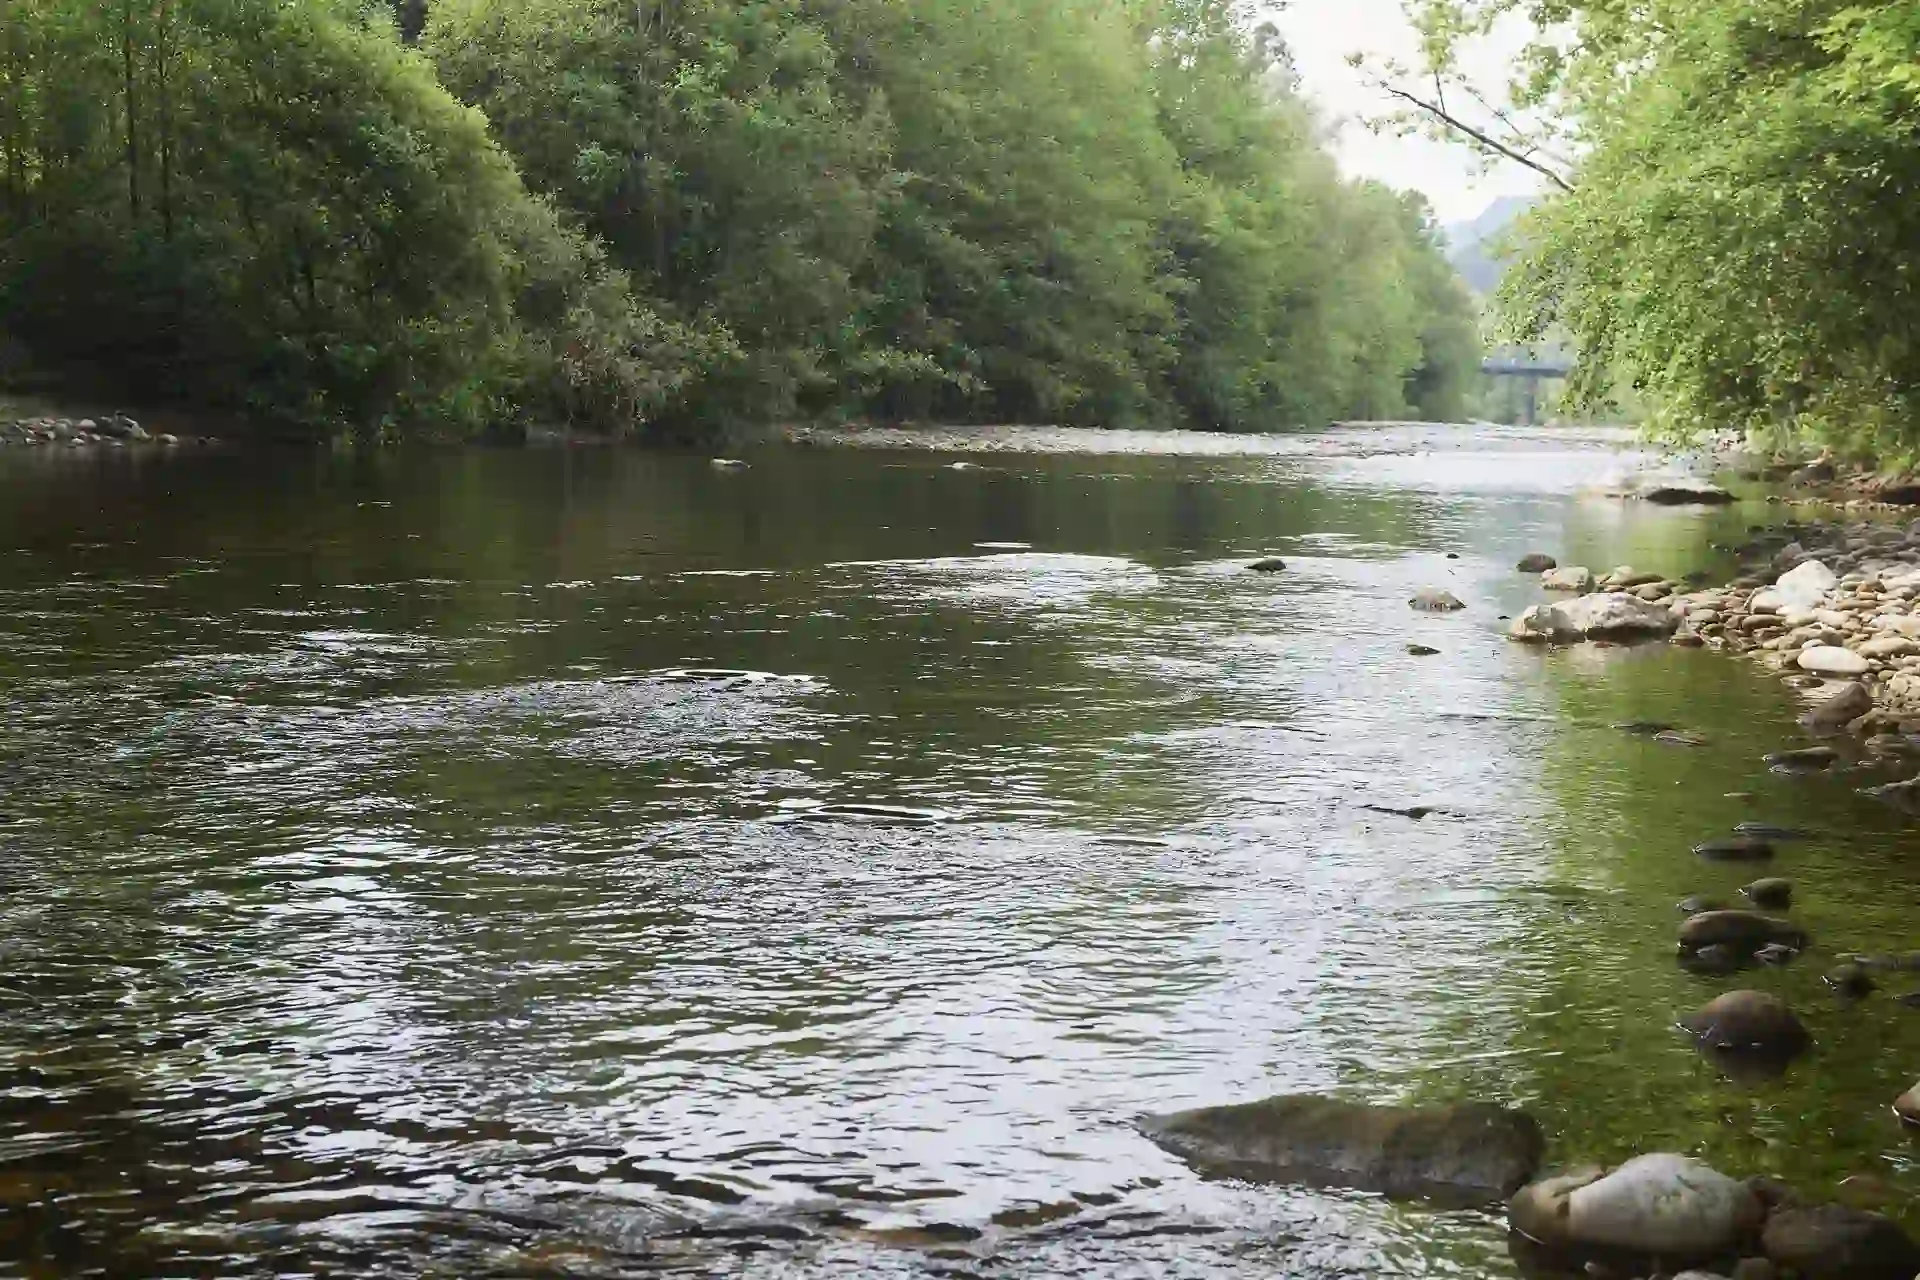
[595, 863]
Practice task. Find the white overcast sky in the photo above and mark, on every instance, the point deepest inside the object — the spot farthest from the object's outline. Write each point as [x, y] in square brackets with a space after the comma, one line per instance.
[1322, 33]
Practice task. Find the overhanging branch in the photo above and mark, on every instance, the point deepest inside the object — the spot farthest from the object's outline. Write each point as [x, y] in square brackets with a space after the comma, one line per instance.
[1439, 112]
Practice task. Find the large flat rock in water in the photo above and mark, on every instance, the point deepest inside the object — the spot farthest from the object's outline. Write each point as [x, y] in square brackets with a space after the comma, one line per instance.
[1469, 1153]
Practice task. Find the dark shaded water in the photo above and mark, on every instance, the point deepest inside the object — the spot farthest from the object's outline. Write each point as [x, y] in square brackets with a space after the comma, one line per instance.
[598, 864]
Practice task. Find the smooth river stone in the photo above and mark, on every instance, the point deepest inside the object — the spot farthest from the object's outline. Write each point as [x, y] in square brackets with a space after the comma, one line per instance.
[1831, 660]
[1671, 1205]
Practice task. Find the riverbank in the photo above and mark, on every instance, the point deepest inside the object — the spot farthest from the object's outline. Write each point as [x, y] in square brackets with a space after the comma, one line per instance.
[1831, 606]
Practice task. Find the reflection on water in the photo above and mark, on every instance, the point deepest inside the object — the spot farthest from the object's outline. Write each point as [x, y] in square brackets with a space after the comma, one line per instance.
[597, 864]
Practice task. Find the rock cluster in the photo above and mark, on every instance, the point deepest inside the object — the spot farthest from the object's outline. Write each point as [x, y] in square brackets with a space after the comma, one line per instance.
[114, 429]
[1837, 605]
[1625, 603]
[1651, 1215]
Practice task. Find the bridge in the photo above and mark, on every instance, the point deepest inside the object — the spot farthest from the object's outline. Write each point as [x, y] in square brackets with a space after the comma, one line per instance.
[1532, 364]
[1545, 366]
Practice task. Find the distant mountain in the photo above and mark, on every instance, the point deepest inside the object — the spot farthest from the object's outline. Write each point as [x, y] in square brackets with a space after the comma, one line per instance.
[1473, 247]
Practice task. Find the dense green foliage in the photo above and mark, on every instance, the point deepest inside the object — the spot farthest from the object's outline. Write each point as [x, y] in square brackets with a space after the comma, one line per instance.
[272, 206]
[689, 212]
[1743, 237]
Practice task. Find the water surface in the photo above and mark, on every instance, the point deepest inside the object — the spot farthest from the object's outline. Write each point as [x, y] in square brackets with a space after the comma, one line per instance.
[595, 863]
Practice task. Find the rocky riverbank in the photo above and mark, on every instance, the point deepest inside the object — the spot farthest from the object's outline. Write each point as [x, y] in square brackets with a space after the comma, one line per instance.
[1833, 606]
[113, 430]
[1821, 602]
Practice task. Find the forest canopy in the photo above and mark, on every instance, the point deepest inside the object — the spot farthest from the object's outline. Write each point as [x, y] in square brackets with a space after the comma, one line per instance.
[454, 216]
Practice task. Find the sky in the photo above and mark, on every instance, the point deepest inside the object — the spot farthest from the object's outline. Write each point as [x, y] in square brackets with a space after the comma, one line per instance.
[1322, 33]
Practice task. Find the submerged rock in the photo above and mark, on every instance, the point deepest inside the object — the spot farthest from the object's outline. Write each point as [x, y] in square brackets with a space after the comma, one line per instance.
[1748, 1022]
[1664, 1204]
[1768, 831]
[1537, 563]
[1740, 928]
[1720, 958]
[1837, 1242]
[1682, 493]
[1470, 1153]
[1849, 980]
[1679, 738]
[1889, 962]
[1904, 796]
[1736, 848]
[1435, 600]
[1802, 759]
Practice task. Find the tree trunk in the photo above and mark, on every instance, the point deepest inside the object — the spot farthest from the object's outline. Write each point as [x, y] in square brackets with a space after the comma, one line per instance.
[133, 116]
[164, 55]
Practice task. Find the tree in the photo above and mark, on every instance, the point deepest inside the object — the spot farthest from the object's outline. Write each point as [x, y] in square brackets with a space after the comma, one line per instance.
[336, 239]
[1740, 242]
[685, 213]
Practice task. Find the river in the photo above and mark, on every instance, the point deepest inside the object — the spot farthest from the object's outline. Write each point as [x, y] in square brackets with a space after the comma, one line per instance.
[597, 863]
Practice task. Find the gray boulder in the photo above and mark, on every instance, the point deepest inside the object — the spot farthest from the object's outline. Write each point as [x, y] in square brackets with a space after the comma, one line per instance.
[1664, 1204]
[1613, 615]
[1469, 1153]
